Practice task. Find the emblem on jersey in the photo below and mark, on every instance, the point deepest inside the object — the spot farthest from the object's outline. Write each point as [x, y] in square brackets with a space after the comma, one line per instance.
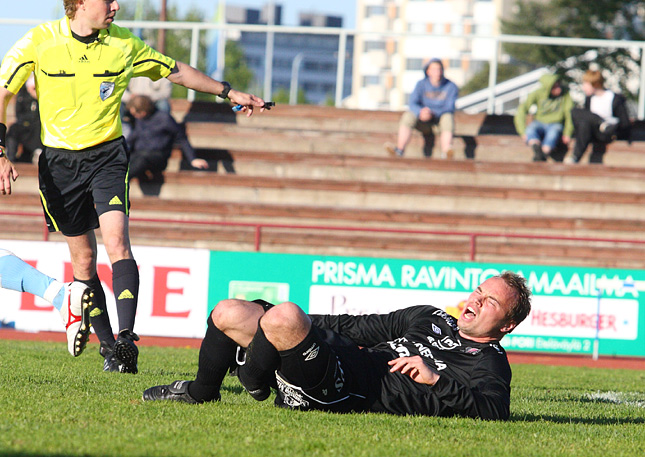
[311, 353]
[472, 351]
[436, 329]
[107, 89]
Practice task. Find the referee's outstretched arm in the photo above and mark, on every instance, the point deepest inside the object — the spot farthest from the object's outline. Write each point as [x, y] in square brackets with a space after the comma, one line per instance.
[187, 76]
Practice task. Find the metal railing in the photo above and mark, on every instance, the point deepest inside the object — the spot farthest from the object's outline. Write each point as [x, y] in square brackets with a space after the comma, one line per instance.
[197, 27]
[260, 226]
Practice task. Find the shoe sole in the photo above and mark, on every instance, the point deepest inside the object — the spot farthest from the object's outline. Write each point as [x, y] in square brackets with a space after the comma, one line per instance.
[83, 335]
[127, 354]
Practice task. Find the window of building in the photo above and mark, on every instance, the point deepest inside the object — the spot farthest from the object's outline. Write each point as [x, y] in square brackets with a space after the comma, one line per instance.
[371, 80]
[414, 64]
[374, 11]
[417, 27]
[373, 45]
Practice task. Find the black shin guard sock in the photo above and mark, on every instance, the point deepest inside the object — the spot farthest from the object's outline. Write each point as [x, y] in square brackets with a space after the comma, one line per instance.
[99, 317]
[316, 355]
[125, 282]
[216, 355]
[262, 359]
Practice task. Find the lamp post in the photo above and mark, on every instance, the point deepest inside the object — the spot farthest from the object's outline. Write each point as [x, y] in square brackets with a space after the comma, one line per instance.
[295, 69]
[161, 35]
[268, 52]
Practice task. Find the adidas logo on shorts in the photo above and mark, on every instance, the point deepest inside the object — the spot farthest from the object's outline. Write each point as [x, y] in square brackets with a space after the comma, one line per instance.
[115, 201]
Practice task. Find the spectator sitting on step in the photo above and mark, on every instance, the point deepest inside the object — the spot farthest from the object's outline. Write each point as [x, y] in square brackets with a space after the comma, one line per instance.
[159, 92]
[23, 137]
[432, 108]
[602, 119]
[152, 139]
[551, 122]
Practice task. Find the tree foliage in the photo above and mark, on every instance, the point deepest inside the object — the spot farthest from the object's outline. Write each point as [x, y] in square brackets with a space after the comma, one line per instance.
[596, 19]
[235, 68]
[480, 79]
[177, 42]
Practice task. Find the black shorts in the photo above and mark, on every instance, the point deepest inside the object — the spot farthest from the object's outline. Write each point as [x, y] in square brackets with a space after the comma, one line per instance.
[322, 373]
[78, 186]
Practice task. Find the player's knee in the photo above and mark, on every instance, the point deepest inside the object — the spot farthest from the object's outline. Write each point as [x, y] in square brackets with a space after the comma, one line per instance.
[223, 313]
[285, 317]
[117, 247]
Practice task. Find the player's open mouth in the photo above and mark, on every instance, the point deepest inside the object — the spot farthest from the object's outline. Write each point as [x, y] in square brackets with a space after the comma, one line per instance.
[468, 313]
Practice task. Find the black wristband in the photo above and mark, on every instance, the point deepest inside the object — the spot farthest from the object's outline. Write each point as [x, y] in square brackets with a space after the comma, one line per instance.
[227, 89]
[3, 135]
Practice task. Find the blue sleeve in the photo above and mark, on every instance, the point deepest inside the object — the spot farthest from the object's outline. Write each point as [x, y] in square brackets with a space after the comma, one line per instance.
[451, 97]
[131, 139]
[416, 98]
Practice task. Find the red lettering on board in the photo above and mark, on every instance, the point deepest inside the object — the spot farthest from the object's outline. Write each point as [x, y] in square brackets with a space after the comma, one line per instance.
[161, 292]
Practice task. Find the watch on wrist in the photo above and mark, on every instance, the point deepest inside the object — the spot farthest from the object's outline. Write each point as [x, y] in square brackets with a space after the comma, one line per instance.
[227, 89]
[2, 154]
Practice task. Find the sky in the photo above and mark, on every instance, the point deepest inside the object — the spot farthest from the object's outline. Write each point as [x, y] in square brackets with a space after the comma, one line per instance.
[51, 9]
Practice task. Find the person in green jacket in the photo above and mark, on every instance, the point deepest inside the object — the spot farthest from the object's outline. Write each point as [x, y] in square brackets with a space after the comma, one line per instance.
[551, 121]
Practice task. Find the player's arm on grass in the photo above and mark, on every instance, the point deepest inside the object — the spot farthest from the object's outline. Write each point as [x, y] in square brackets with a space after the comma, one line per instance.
[187, 76]
[8, 172]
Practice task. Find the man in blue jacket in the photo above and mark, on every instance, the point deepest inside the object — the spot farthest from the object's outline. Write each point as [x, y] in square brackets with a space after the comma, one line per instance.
[432, 108]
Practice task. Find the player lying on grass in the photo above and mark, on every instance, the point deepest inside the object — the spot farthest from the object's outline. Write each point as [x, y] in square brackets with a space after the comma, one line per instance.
[72, 300]
[417, 360]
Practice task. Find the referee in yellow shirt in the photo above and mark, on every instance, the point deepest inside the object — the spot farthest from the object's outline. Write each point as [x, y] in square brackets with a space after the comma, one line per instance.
[82, 65]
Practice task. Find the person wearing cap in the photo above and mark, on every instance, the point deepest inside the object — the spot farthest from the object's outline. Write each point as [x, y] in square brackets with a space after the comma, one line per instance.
[431, 111]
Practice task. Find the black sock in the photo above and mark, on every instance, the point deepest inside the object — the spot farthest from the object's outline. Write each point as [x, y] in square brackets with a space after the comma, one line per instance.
[125, 283]
[262, 359]
[99, 317]
[309, 375]
[216, 356]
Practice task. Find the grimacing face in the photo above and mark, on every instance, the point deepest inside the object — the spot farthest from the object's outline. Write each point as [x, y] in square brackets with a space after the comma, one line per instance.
[484, 318]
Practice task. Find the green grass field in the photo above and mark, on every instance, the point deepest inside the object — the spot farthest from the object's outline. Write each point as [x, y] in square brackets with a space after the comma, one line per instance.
[54, 405]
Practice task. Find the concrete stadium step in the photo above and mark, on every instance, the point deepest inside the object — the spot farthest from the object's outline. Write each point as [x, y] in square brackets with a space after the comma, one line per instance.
[389, 219]
[495, 148]
[310, 240]
[198, 186]
[440, 172]
[308, 117]
[257, 213]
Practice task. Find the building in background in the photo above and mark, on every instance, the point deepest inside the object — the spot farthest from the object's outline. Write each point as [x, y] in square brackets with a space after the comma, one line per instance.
[315, 55]
[386, 69]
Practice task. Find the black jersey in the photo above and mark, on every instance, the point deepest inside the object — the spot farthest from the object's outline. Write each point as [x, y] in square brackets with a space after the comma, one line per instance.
[474, 377]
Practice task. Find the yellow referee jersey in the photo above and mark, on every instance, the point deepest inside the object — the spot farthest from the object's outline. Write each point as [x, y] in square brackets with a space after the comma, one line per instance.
[80, 85]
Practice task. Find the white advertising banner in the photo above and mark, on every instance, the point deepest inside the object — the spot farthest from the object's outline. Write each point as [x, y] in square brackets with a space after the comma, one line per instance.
[173, 290]
[550, 316]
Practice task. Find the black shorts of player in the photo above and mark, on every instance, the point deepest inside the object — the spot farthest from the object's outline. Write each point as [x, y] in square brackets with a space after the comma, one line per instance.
[78, 186]
[322, 373]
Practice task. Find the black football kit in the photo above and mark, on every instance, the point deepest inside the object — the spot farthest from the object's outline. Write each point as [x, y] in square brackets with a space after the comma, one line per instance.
[350, 356]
